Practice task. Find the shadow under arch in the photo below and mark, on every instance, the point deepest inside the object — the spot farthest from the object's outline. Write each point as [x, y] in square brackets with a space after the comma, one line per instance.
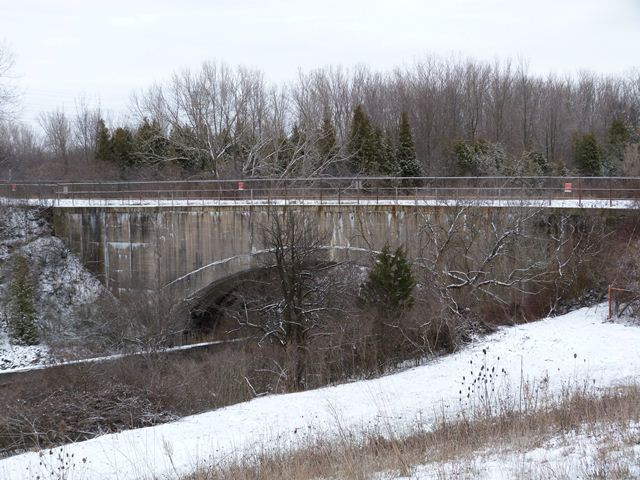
[205, 305]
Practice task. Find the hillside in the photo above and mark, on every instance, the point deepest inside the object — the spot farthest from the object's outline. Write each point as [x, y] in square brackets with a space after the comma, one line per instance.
[62, 290]
[545, 356]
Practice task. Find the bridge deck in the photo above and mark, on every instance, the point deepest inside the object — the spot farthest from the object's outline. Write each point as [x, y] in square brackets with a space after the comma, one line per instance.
[559, 203]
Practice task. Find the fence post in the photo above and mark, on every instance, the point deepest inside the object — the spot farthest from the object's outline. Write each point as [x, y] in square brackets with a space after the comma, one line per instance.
[579, 191]
[610, 198]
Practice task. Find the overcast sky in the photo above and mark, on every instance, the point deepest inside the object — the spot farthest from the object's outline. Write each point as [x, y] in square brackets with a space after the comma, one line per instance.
[105, 50]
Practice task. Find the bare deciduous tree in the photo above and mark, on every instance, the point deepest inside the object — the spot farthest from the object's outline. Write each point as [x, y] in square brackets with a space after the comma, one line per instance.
[8, 95]
[470, 257]
[293, 310]
[57, 132]
[85, 128]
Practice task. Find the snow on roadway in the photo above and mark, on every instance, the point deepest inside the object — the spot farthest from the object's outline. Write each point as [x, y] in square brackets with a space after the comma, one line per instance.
[575, 347]
[499, 202]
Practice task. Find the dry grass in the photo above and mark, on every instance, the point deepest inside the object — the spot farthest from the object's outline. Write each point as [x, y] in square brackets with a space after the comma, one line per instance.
[452, 445]
[56, 406]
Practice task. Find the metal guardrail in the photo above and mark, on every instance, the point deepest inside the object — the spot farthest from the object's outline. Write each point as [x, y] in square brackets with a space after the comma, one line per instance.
[331, 190]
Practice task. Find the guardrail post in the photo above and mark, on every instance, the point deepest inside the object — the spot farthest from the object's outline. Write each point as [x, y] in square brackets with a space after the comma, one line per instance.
[396, 189]
[579, 192]
[610, 198]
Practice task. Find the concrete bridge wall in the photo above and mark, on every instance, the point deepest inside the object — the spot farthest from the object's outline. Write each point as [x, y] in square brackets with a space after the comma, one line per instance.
[182, 250]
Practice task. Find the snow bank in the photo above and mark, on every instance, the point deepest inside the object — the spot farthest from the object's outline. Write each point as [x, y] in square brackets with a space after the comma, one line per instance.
[572, 347]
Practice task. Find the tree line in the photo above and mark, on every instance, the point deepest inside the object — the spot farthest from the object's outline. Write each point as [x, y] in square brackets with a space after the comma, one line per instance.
[436, 117]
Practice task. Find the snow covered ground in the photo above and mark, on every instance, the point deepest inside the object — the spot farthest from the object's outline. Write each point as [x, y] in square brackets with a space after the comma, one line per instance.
[607, 454]
[13, 357]
[576, 347]
[499, 202]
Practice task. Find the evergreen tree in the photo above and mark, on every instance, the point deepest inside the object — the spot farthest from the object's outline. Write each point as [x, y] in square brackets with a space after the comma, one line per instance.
[407, 163]
[619, 132]
[389, 166]
[390, 283]
[378, 152]
[122, 147]
[362, 143]
[103, 143]
[479, 157]
[588, 155]
[536, 163]
[22, 312]
[327, 137]
[618, 137]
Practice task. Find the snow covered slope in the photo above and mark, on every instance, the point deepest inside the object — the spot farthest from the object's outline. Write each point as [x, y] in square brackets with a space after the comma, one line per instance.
[62, 286]
[578, 346]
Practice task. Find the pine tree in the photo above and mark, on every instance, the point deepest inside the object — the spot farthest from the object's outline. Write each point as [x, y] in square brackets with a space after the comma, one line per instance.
[588, 155]
[122, 144]
[377, 152]
[362, 143]
[327, 137]
[390, 283]
[618, 136]
[389, 166]
[22, 312]
[103, 143]
[619, 133]
[406, 161]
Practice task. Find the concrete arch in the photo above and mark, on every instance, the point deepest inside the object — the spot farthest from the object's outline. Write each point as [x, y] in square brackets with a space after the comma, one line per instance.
[194, 285]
